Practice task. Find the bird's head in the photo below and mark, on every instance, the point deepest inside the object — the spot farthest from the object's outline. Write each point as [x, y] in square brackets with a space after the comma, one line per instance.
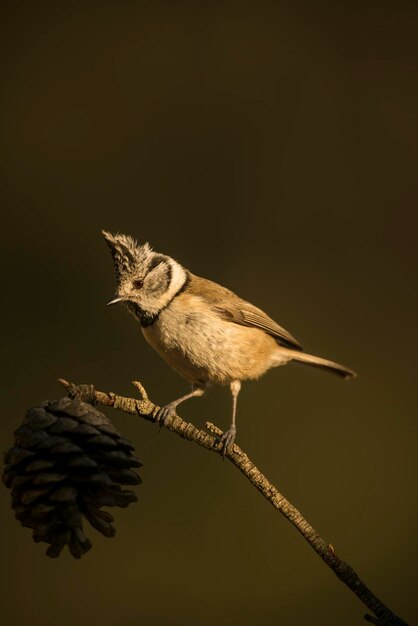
[146, 281]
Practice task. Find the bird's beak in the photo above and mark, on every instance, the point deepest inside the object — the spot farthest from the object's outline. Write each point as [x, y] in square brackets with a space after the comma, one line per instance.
[115, 300]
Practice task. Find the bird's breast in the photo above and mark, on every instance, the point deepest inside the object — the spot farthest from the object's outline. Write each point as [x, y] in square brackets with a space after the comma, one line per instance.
[202, 347]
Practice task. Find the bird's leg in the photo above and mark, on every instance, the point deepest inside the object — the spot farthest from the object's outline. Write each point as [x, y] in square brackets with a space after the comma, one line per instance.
[228, 437]
[169, 410]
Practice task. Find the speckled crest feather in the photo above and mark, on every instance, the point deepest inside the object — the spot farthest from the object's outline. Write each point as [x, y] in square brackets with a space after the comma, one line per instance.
[127, 253]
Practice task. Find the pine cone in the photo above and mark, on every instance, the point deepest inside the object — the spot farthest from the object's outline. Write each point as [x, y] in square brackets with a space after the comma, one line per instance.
[68, 461]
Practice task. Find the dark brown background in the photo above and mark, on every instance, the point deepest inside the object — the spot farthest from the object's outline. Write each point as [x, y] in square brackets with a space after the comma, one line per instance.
[271, 147]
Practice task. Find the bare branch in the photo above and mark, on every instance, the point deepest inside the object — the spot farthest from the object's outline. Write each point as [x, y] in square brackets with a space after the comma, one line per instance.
[144, 408]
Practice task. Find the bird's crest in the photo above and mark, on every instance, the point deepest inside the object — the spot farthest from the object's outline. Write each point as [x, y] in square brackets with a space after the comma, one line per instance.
[127, 253]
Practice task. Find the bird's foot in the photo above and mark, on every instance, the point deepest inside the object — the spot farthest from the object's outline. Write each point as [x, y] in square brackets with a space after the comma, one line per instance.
[227, 439]
[166, 412]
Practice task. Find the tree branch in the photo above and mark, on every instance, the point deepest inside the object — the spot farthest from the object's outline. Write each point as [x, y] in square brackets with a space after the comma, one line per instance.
[382, 615]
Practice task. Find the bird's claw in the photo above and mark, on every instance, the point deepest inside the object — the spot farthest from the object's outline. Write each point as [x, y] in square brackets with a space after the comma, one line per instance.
[227, 439]
[164, 413]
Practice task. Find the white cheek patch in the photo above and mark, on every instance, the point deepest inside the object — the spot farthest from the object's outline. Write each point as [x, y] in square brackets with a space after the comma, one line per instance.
[178, 278]
[155, 300]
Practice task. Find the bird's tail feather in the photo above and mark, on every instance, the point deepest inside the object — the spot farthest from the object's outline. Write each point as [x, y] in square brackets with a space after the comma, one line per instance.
[317, 361]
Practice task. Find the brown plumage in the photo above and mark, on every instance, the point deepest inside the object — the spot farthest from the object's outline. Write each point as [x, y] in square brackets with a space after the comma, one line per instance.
[204, 331]
[232, 308]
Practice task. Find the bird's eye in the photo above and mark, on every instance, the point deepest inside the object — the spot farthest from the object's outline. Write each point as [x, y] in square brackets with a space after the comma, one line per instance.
[138, 284]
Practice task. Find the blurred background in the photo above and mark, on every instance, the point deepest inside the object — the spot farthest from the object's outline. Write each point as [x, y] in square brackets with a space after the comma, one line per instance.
[269, 146]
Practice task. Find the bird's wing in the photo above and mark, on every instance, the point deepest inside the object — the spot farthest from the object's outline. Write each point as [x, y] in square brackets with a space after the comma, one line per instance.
[232, 308]
[246, 314]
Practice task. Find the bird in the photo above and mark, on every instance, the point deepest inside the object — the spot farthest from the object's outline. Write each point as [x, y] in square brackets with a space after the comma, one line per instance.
[204, 331]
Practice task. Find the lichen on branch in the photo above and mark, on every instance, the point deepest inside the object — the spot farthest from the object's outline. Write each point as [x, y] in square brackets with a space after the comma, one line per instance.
[144, 408]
